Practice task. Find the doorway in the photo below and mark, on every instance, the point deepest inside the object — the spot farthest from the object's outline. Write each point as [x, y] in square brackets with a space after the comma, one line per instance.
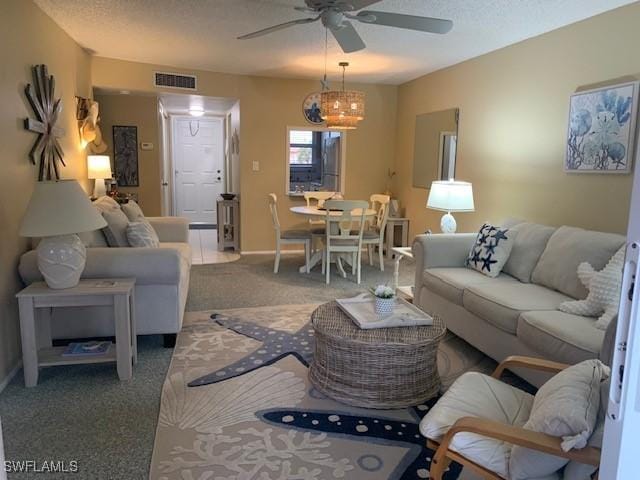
[199, 167]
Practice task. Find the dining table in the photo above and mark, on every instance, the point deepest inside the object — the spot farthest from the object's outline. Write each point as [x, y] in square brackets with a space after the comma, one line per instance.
[315, 213]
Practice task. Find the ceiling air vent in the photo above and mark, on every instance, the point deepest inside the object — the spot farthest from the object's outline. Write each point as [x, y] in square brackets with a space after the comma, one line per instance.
[174, 80]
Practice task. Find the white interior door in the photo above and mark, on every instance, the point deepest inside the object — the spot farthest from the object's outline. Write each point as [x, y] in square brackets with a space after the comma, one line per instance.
[198, 154]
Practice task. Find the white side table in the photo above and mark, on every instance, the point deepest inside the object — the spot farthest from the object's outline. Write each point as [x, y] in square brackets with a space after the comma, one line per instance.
[400, 253]
[392, 223]
[37, 300]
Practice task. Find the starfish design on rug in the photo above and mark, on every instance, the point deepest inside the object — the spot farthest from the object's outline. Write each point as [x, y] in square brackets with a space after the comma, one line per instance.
[369, 429]
[276, 344]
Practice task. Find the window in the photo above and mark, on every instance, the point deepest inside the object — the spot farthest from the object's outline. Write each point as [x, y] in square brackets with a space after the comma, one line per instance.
[301, 147]
[314, 160]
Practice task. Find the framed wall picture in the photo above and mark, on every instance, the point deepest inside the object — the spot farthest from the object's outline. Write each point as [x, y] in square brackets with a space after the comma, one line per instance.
[601, 131]
[125, 155]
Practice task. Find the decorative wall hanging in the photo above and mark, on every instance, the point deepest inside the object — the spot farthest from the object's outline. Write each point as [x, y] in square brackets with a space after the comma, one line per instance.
[87, 114]
[311, 108]
[125, 154]
[46, 151]
[602, 123]
[235, 142]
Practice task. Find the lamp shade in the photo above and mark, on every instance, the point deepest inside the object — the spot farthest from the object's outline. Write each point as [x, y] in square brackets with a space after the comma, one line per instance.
[451, 196]
[99, 167]
[59, 208]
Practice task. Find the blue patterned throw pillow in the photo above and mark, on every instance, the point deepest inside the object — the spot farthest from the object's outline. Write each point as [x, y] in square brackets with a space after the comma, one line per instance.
[491, 250]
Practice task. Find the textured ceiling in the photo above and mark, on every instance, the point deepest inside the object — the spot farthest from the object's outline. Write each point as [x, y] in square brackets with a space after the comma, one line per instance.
[201, 34]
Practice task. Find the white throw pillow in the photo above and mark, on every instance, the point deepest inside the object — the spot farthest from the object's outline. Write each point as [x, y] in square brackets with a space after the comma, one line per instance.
[491, 250]
[132, 210]
[604, 291]
[116, 229]
[566, 406]
[142, 234]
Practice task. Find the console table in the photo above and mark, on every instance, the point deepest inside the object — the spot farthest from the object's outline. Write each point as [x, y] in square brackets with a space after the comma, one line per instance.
[35, 303]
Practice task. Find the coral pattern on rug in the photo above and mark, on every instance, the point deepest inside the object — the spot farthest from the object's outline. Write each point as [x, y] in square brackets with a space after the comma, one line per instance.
[254, 415]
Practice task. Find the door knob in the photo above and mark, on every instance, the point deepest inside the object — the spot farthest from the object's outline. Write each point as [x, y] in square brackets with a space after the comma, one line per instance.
[165, 184]
[219, 178]
[218, 171]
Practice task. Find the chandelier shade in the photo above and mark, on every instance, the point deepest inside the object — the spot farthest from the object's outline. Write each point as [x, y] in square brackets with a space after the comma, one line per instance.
[342, 109]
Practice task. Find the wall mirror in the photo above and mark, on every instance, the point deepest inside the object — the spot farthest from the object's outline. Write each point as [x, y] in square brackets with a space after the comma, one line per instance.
[315, 160]
[435, 147]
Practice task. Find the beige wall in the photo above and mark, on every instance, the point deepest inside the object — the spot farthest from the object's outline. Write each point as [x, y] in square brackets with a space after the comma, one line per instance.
[140, 111]
[513, 119]
[267, 107]
[29, 37]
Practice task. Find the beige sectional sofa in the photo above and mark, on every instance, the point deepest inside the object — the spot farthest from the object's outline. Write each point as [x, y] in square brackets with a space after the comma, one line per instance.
[162, 282]
[516, 313]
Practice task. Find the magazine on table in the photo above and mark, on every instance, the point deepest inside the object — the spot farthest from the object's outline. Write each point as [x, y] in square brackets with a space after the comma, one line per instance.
[86, 348]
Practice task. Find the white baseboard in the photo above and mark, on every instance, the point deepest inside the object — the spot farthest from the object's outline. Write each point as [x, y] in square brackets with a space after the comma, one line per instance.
[270, 252]
[10, 376]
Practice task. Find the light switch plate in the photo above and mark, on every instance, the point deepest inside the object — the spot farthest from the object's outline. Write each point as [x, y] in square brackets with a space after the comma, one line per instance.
[146, 146]
[256, 166]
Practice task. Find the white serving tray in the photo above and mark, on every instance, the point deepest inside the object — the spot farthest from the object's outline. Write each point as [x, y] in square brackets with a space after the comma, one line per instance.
[361, 309]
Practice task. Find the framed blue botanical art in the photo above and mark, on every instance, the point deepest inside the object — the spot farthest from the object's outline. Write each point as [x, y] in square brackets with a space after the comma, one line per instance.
[602, 128]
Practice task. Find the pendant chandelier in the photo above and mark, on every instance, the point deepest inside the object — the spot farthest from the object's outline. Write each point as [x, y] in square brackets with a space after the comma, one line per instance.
[340, 109]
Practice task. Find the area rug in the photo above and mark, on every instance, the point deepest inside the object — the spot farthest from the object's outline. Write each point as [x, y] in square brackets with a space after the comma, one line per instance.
[237, 405]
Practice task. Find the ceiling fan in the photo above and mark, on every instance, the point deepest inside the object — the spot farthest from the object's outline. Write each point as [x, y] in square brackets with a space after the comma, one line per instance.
[335, 16]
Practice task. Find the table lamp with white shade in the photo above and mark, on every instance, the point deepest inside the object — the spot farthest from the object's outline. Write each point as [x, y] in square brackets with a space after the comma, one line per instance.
[99, 170]
[57, 211]
[450, 196]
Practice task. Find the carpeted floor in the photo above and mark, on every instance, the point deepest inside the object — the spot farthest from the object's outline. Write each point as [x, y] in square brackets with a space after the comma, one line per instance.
[84, 413]
[250, 282]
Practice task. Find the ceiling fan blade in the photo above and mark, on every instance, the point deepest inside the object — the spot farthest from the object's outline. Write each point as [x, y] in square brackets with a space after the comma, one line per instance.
[410, 22]
[342, 5]
[348, 37]
[352, 5]
[275, 28]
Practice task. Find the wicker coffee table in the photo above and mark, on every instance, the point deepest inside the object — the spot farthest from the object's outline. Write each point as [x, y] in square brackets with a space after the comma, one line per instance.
[378, 368]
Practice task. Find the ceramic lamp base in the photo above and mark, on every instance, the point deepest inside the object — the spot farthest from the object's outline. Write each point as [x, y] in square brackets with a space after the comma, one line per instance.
[448, 223]
[99, 188]
[61, 260]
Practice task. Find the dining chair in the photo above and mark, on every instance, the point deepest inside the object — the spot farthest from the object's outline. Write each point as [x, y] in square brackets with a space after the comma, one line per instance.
[375, 234]
[287, 236]
[344, 238]
[317, 199]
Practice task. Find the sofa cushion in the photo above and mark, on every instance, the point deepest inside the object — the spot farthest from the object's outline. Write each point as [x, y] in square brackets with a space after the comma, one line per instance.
[566, 406]
[501, 303]
[449, 283]
[142, 234]
[105, 203]
[560, 336]
[116, 229]
[476, 395]
[491, 250]
[566, 249]
[93, 239]
[132, 210]
[529, 243]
